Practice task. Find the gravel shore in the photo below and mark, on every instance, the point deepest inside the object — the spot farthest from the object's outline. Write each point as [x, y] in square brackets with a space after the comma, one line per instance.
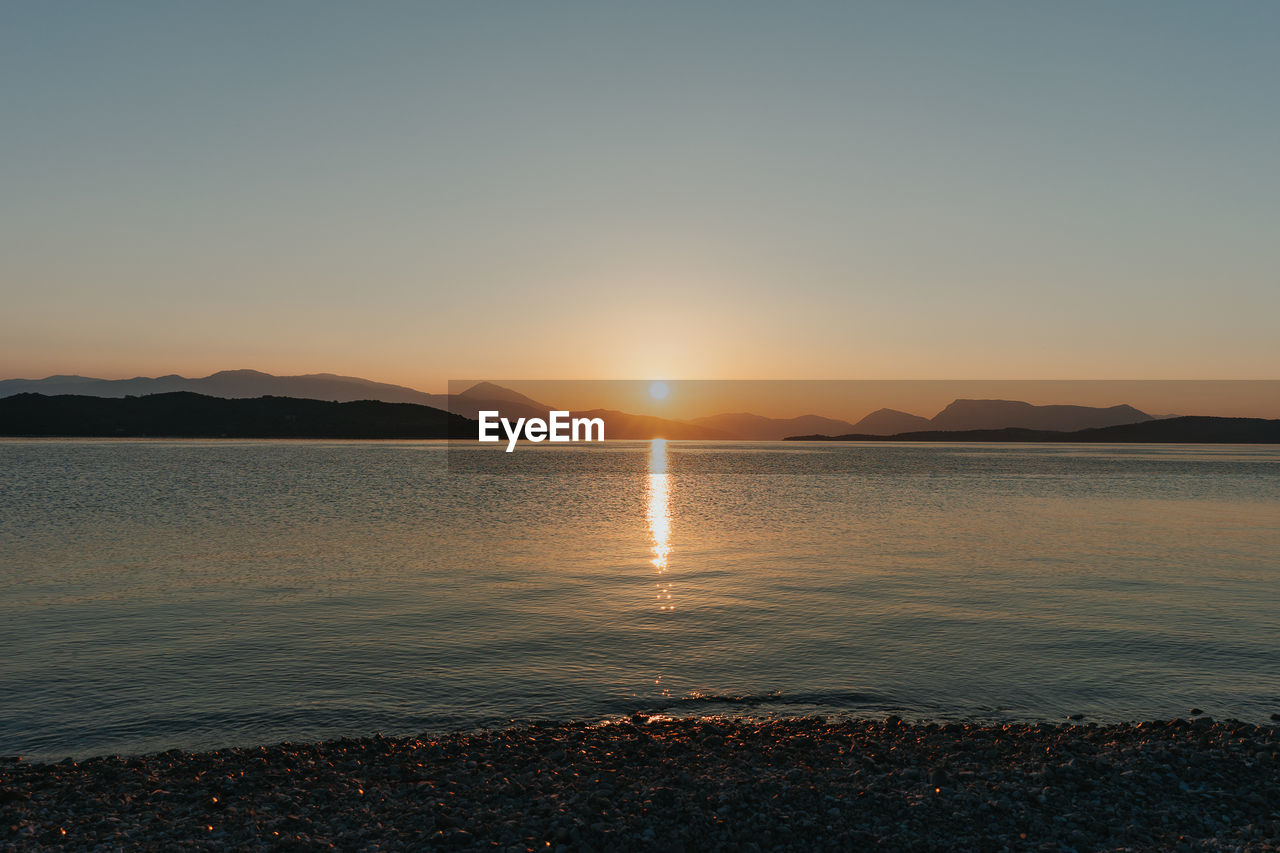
[678, 784]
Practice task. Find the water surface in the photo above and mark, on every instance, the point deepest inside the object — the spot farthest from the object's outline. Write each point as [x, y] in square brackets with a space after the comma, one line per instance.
[195, 594]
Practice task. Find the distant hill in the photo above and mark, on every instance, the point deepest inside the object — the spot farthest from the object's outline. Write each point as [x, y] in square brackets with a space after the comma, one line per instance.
[233, 384]
[1185, 430]
[182, 414]
[490, 392]
[888, 422]
[958, 415]
[486, 396]
[229, 384]
[999, 414]
[751, 427]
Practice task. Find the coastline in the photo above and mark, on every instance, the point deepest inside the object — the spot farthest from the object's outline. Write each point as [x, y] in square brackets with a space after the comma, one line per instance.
[662, 783]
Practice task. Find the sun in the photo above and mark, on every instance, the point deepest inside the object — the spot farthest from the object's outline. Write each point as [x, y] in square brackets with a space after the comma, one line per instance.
[659, 390]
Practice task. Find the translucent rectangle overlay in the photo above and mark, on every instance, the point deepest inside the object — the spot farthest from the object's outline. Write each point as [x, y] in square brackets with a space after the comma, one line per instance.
[552, 427]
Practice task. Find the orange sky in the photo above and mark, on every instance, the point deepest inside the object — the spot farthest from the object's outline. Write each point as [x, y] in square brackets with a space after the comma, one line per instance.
[852, 399]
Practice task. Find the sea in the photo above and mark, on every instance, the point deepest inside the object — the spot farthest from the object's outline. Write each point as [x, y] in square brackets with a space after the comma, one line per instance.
[162, 594]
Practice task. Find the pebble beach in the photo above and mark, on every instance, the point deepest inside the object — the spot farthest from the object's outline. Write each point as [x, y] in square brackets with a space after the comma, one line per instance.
[673, 784]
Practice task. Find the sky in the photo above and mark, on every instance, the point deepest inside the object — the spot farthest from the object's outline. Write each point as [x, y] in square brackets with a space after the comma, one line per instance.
[412, 192]
[853, 399]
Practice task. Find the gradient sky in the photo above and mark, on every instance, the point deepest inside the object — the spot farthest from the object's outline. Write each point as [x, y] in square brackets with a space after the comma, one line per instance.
[416, 191]
[852, 399]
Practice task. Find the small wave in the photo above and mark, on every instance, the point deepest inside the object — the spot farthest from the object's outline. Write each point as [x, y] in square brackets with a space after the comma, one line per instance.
[836, 699]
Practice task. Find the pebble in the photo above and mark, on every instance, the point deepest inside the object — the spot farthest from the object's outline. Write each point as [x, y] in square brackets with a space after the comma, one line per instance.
[655, 783]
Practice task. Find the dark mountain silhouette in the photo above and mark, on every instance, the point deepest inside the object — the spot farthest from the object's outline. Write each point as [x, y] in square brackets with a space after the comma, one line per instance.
[999, 414]
[230, 384]
[174, 418]
[958, 415]
[182, 414]
[1185, 430]
[890, 421]
[486, 396]
[234, 384]
[488, 391]
[751, 427]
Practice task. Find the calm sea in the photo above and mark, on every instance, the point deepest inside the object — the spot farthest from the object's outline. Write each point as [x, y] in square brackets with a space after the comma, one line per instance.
[196, 594]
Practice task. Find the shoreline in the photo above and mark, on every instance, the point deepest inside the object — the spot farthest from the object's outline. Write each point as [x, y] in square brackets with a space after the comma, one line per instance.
[659, 783]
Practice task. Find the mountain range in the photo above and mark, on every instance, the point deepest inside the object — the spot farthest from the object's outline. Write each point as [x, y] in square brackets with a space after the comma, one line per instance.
[231, 384]
[958, 415]
[237, 384]
[174, 399]
[1179, 430]
[183, 414]
[962, 414]
[1000, 414]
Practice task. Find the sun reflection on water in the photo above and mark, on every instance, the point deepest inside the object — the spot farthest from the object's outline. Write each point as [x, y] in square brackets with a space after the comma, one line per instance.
[659, 516]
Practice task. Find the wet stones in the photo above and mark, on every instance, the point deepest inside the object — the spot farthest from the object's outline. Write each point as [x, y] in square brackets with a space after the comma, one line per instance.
[677, 784]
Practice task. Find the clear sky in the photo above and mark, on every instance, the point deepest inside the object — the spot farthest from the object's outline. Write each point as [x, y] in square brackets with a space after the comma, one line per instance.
[852, 399]
[413, 191]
